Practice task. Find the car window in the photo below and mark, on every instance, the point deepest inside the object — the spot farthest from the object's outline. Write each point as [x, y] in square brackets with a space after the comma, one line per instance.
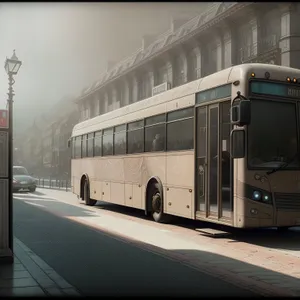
[20, 171]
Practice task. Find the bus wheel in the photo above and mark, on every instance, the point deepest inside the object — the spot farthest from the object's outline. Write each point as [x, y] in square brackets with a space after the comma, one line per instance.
[283, 228]
[156, 199]
[86, 195]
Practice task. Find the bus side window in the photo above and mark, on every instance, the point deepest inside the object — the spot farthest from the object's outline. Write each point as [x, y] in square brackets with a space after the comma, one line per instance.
[180, 130]
[155, 133]
[135, 137]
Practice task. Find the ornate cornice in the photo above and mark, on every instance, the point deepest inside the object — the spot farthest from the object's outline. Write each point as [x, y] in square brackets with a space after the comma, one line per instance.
[195, 26]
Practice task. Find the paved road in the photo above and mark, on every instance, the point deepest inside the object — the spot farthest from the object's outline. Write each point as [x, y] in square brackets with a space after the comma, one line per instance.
[96, 263]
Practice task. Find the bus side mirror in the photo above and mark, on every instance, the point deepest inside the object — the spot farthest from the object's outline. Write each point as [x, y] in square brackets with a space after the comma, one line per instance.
[241, 113]
[237, 143]
[69, 143]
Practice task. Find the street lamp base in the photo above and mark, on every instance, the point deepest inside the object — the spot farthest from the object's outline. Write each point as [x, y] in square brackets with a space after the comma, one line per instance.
[6, 256]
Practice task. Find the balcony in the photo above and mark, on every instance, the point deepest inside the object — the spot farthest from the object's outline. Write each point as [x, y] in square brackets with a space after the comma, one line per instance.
[265, 51]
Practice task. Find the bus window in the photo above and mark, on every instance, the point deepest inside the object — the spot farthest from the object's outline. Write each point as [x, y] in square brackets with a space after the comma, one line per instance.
[135, 137]
[155, 133]
[120, 140]
[90, 146]
[78, 147]
[84, 146]
[98, 144]
[107, 142]
[180, 130]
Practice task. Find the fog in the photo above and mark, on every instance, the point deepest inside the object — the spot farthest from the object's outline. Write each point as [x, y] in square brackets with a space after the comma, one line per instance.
[64, 47]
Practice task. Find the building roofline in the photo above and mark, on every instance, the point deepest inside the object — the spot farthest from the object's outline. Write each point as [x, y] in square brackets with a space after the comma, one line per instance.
[201, 26]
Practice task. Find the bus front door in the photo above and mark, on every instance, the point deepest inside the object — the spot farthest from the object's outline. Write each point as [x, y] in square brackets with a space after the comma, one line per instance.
[212, 165]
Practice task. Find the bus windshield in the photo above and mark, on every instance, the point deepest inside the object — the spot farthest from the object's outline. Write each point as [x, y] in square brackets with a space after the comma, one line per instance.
[272, 135]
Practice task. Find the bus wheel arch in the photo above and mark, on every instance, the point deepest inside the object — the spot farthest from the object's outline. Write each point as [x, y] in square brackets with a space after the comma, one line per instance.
[155, 200]
[85, 190]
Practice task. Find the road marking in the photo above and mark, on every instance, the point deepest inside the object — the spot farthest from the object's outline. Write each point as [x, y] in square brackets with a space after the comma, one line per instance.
[37, 199]
[34, 204]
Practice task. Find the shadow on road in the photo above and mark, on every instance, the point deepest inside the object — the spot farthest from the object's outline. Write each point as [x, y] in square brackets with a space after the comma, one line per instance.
[268, 237]
[100, 263]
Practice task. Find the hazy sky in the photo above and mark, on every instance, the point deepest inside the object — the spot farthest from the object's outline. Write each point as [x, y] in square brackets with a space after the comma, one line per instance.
[65, 46]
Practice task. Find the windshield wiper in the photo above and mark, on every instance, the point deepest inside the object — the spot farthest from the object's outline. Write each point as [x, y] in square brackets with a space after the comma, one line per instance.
[284, 165]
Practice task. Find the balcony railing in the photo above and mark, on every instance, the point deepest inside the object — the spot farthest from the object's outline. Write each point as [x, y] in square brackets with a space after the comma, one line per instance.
[265, 51]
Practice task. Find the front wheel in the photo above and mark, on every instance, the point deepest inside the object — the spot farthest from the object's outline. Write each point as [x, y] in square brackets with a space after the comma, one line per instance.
[283, 228]
[156, 198]
[86, 195]
[32, 190]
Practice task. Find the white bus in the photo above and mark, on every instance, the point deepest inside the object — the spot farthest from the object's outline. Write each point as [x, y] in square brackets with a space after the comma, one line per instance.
[223, 148]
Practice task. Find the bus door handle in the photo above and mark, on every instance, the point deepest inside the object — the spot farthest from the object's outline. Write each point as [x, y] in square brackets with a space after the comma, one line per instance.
[201, 171]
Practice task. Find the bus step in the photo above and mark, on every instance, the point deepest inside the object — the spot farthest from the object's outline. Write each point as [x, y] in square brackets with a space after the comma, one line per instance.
[213, 232]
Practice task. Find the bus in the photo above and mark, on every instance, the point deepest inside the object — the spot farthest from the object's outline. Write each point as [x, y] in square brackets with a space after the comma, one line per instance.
[223, 149]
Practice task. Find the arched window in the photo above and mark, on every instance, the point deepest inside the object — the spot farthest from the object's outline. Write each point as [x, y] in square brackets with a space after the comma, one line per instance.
[192, 65]
[179, 76]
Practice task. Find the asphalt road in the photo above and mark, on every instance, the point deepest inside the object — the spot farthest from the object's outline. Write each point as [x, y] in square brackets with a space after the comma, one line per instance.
[97, 264]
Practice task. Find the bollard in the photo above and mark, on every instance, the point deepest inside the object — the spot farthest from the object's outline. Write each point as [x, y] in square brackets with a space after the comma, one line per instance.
[43, 183]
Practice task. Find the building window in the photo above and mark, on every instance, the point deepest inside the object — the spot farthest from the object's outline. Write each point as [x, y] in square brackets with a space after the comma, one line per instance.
[135, 137]
[144, 86]
[161, 75]
[102, 105]
[180, 130]
[121, 91]
[192, 59]
[179, 71]
[114, 97]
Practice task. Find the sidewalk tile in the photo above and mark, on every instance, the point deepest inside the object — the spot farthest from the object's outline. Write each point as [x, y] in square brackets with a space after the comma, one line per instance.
[22, 291]
[19, 282]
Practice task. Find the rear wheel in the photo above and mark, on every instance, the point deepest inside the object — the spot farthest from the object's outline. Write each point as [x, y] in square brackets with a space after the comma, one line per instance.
[283, 228]
[156, 200]
[86, 195]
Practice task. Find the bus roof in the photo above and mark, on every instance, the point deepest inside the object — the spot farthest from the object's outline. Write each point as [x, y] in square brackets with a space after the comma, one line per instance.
[185, 92]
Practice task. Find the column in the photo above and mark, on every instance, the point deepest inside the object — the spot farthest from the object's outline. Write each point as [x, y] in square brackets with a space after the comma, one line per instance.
[290, 36]
[134, 84]
[126, 92]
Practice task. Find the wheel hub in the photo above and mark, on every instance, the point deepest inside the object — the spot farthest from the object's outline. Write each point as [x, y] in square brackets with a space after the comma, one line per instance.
[156, 203]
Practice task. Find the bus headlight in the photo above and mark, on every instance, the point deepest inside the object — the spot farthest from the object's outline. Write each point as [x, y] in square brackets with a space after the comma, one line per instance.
[256, 195]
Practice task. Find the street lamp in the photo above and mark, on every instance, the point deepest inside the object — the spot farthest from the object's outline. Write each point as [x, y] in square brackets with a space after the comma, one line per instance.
[12, 66]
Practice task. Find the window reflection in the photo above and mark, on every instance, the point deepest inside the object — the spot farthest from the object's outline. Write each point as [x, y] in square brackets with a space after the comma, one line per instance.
[272, 135]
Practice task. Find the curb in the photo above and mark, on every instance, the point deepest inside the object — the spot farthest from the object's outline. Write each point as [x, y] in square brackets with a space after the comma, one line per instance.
[49, 281]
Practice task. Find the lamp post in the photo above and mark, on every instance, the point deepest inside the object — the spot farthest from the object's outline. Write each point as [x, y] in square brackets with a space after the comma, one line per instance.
[12, 66]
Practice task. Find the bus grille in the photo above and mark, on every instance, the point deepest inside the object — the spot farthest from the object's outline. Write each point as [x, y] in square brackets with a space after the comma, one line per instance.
[286, 201]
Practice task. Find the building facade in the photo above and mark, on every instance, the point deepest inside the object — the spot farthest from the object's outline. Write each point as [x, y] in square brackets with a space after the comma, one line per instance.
[226, 34]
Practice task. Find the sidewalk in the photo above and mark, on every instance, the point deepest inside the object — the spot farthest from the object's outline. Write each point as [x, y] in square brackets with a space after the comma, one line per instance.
[29, 275]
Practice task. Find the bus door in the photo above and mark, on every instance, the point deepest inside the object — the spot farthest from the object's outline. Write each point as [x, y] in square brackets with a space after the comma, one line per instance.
[213, 162]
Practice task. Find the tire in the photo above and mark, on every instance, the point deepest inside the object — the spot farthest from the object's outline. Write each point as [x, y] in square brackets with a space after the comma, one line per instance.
[32, 190]
[283, 228]
[86, 195]
[156, 200]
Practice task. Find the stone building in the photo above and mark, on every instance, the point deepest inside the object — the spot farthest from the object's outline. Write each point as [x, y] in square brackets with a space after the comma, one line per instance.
[225, 34]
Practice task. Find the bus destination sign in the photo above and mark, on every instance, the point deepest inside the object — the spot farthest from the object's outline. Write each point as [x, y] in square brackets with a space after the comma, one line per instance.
[274, 89]
[293, 92]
